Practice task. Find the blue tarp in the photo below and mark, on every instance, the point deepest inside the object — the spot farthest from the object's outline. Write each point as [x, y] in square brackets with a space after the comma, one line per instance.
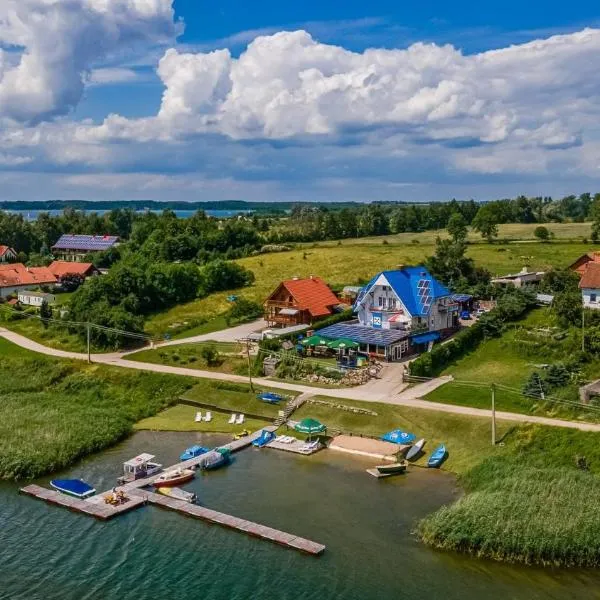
[399, 437]
[425, 338]
[265, 437]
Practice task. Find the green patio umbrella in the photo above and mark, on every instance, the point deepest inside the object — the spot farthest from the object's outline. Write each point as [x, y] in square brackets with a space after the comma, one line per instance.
[315, 340]
[310, 426]
[342, 343]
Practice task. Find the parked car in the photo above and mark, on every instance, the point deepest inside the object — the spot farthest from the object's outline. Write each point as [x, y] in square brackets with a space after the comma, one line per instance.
[465, 315]
[480, 311]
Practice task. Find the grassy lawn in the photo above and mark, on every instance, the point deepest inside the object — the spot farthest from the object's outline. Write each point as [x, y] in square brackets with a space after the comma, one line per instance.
[54, 411]
[188, 355]
[236, 397]
[181, 418]
[502, 361]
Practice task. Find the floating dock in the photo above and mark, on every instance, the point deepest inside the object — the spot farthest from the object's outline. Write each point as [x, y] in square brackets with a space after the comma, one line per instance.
[297, 447]
[94, 506]
[136, 497]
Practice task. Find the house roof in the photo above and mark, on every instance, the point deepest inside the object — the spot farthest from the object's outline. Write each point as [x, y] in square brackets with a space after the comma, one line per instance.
[17, 274]
[580, 264]
[591, 276]
[362, 334]
[312, 294]
[416, 287]
[5, 249]
[60, 268]
[85, 242]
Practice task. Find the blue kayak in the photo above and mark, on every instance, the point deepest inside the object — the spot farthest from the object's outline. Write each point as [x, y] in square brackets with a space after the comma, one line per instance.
[193, 452]
[438, 456]
[73, 487]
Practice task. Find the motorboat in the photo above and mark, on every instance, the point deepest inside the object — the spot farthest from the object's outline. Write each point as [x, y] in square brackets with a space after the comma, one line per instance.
[193, 452]
[416, 449]
[174, 477]
[218, 458]
[265, 437]
[392, 468]
[73, 487]
[437, 457]
[177, 494]
[140, 467]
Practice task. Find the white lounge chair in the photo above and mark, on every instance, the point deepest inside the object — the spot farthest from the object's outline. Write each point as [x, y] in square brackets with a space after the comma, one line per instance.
[289, 439]
[198, 417]
[208, 417]
[280, 439]
[239, 420]
[232, 418]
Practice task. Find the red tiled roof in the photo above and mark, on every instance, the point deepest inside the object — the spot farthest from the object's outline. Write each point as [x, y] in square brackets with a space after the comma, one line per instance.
[580, 264]
[4, 250]
[60, 268]
[17, 274]
[312, 294]
[591, 276]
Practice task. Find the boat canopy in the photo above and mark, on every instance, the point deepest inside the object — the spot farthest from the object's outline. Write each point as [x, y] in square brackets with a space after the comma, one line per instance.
[73, 486]
[139, 460]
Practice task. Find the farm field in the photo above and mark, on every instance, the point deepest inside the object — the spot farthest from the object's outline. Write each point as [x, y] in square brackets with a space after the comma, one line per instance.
[356, 261]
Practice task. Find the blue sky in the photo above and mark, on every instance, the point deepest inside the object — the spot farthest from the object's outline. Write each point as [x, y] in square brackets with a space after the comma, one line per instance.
[376, 101]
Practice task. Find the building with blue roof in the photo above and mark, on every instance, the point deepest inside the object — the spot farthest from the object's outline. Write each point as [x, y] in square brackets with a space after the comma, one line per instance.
[399, 312]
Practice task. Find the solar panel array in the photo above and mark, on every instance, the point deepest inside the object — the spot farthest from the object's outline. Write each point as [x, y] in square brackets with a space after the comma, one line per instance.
[85, 242]
[424, 294]
[362, 334]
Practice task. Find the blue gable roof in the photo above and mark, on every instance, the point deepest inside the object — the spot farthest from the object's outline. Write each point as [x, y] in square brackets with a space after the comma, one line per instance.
[415, 286]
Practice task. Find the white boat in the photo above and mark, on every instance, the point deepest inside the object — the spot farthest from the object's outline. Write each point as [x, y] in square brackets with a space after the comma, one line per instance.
[177, 494]
[414, 451]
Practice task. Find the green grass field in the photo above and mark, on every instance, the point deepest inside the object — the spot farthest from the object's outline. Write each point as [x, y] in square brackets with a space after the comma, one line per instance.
[54, 412]
[502, 361]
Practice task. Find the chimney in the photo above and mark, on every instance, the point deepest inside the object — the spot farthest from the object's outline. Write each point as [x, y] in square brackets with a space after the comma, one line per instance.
[311, 277]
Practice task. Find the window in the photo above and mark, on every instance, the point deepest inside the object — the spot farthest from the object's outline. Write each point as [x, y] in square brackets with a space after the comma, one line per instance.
[380, 301]
[592, 297]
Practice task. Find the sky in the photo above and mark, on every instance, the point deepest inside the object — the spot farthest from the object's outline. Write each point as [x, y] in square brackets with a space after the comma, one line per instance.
[327, 101]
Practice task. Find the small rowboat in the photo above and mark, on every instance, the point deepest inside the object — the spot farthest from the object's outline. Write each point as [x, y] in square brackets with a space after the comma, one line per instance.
[438, 456]
[392, 468]
[73, 487]
[177, 494]
[416, 449]
[173, 478]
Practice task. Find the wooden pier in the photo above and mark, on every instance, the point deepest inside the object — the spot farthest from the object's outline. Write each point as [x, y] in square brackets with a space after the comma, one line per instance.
[255, 529]
[137, 496]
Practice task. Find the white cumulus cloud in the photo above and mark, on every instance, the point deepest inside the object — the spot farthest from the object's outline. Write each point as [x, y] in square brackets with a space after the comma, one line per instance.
[58, 42]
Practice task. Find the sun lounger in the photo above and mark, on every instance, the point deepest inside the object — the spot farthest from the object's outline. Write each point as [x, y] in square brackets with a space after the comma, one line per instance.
[289, 439]
[232, 418]
[198, 417]
[280, 439]
[208, 417]
[239, 420]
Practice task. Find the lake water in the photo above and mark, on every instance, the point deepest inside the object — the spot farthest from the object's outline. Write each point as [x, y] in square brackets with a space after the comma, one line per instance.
[50, 553]
[32, 215]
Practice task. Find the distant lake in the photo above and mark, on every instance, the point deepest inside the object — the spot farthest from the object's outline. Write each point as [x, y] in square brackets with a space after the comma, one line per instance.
[32, 215]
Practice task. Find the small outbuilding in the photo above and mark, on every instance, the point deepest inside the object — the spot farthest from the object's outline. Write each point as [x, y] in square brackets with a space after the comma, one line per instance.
[29, 298]
[522, 279]
[7, 254]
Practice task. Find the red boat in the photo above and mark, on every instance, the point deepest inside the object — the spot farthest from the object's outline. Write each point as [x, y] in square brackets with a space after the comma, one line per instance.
[175, 477]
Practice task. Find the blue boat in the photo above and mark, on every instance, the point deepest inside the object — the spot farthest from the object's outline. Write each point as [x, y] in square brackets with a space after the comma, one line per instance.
[73, 487]
[193, 452]
[264, 438]
[270, 397]
[437, 457]
[399, 437]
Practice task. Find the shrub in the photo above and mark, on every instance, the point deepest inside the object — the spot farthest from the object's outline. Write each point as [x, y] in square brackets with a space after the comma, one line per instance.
[210, 355]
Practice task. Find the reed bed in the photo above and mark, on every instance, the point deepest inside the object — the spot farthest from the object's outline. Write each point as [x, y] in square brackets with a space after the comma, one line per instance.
[538, 505]
[54, 412]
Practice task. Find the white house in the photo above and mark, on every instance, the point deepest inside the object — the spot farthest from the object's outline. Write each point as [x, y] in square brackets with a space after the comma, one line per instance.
[7, 254]
[35, 298]
[399, 312]
[589, 284]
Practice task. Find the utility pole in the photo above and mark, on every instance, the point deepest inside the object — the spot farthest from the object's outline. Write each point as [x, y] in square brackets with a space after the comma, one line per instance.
[89, 356]
[583, 328]
[493, 414]
[249, 366]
